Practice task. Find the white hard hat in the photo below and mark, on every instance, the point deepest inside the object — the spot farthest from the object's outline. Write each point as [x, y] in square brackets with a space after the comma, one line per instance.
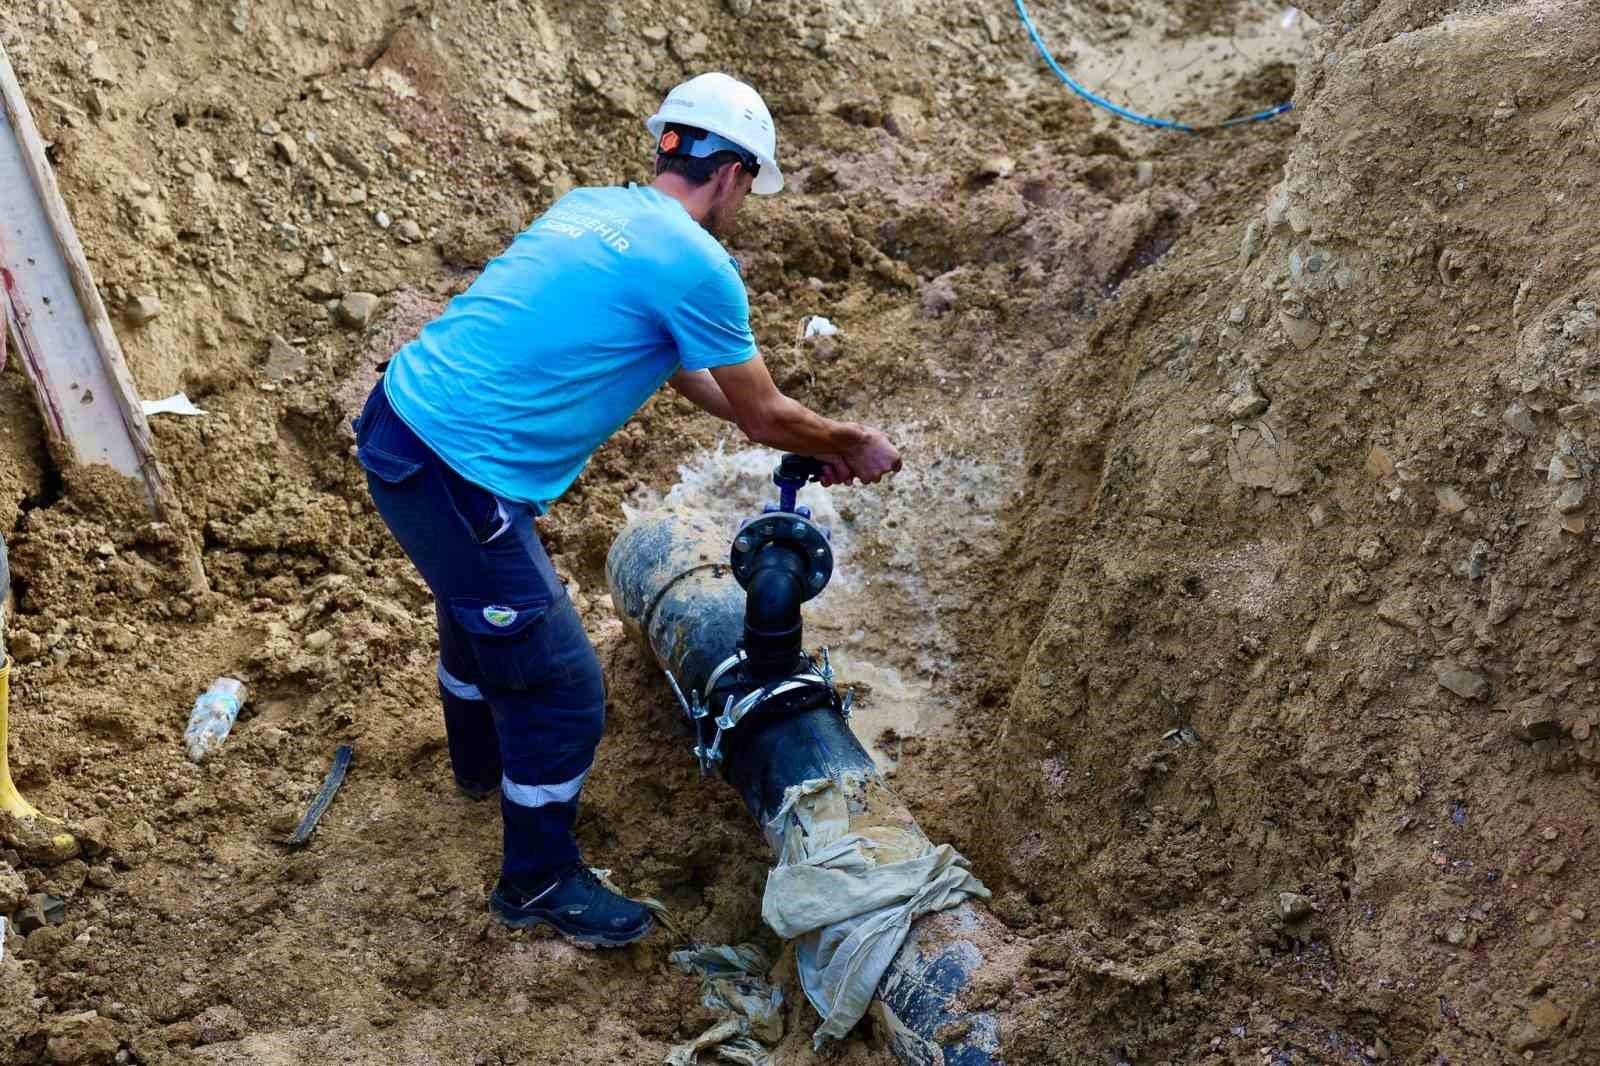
[730, 108]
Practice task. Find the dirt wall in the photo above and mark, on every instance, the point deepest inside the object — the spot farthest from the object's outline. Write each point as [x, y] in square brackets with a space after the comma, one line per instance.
[1302, 762]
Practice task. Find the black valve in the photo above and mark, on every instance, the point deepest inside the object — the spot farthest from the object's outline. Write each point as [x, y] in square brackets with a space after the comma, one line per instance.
[788, 524]
[791, 476]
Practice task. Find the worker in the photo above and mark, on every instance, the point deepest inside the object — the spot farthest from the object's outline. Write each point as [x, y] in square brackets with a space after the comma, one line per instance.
[488, 416]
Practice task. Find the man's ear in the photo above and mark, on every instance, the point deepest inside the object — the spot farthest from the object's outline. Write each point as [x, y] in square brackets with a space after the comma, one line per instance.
[727, 175]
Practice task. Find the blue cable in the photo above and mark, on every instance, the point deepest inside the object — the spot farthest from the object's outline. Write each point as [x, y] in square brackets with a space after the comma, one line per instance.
[1132, 116]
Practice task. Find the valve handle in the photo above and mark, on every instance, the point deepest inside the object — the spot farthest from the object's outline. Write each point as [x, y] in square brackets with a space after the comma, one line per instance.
[792, 474]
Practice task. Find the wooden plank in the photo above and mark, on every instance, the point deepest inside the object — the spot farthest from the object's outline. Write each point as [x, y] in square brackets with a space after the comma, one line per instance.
[63, 336]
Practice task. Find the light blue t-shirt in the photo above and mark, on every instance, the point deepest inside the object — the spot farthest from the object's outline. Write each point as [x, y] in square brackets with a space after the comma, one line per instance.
[565, 335]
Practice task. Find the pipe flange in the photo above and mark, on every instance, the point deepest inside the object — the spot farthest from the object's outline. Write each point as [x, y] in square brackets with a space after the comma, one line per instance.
[783, 527]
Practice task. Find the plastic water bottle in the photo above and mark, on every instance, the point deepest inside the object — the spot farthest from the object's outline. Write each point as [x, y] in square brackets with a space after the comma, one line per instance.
[213, 715]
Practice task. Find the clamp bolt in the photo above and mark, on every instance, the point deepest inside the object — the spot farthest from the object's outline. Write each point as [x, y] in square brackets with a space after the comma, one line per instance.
[741, 544]
[818, 579]
[799, 529]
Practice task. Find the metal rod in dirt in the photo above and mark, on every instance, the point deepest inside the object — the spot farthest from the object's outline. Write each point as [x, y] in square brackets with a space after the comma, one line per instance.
[324, 797]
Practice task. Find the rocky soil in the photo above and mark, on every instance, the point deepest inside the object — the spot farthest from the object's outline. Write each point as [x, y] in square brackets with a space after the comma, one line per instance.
[1242, 557]
[1306, 740]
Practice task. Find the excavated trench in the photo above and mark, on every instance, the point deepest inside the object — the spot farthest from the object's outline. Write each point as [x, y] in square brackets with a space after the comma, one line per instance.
[1172, 623]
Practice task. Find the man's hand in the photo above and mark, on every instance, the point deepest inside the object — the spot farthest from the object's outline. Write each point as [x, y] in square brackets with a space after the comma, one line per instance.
[873, 459]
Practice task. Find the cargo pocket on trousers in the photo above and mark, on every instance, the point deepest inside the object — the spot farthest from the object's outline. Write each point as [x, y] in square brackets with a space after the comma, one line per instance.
[386, 467]
[503, 638]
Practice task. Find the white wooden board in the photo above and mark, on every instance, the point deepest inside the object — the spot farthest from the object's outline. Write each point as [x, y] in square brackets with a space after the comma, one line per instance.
[58, 324]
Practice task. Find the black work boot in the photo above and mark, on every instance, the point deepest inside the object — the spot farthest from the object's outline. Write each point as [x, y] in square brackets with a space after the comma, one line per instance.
[476, 792]
[577, 906]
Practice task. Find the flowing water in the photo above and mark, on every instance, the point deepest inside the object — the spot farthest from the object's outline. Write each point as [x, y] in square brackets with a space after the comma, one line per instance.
[884, 616]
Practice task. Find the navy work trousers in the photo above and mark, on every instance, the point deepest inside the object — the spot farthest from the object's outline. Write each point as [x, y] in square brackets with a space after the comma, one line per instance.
[523, 695]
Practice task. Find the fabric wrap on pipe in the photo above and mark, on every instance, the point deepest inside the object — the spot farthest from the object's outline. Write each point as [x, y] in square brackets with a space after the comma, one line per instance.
[848, 899]
[734, 986]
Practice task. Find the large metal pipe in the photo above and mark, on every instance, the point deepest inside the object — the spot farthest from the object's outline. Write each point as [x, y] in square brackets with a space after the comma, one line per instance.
[672, 586]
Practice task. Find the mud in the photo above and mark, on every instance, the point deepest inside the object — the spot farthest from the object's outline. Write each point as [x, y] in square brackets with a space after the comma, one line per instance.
[1149, 700]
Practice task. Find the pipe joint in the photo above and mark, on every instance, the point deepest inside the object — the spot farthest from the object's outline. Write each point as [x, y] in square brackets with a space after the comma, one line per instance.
[772, 624]
[807, 540]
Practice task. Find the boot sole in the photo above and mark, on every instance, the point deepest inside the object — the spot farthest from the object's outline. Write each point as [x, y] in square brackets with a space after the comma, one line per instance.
[586, 941]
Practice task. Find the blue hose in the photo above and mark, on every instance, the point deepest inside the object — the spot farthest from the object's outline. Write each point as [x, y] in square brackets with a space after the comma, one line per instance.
[1133, 116]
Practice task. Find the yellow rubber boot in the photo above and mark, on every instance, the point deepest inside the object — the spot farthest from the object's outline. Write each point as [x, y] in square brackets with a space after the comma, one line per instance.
[10, 800]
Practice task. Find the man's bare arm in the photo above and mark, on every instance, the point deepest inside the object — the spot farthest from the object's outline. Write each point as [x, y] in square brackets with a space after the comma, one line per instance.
[701, 389]
[769, 417]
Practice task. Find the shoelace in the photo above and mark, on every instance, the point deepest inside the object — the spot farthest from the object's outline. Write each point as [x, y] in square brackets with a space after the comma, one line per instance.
[587, 877]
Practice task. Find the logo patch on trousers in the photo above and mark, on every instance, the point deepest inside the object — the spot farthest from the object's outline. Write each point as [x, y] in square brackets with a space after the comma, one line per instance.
[499, 616]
